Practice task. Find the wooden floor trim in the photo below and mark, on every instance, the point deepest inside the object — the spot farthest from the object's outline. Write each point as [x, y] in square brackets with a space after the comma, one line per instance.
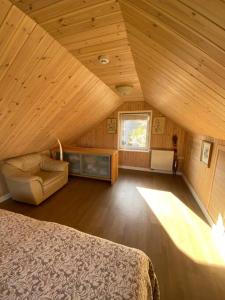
[146, 170]
[199, 202]
[4, 197]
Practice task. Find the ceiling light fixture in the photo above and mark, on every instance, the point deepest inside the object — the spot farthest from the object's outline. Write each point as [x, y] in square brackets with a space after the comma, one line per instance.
[103, 59]
[124, 89]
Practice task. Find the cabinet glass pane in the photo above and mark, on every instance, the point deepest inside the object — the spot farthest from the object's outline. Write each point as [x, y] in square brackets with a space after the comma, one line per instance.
[96, 166]
[74, 163]
[73, 159]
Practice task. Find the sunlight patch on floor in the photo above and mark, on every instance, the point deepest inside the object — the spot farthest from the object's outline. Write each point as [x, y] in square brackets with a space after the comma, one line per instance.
[188, 231]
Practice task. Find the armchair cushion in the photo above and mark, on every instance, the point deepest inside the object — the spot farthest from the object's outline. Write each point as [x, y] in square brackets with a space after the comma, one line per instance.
[49, 164]
[48, 177]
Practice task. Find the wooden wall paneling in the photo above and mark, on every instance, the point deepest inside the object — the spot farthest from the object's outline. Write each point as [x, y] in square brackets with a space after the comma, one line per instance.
[134, 159]
[43, 87]
[198, 174]
[208, 183]
[216, 204]
[99, 137]
[89, 29]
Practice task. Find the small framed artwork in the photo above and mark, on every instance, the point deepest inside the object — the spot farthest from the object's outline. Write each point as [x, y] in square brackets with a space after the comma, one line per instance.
[206, 152]
[158, 125]
[111, 125]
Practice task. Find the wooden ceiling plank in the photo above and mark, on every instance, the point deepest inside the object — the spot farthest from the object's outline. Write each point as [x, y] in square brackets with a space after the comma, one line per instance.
[25, 62]
[88, 30]
[119, 46]
[184, 84]
[212, 80]
[193, 19]
[204, 41]
[60, 7]
[173, 42]
[192, 56]
[9, 26]
[108, 38]
[42, 85]
[31, 85]
[15, 44]
[5, 8]
[180, 104]
[83, 15]
[73, 29]
[93, 33]
[34, 5]
[213, 10]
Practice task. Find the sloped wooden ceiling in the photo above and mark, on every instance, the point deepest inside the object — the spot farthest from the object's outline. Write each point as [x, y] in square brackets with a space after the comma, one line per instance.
[89, 29]
[45, 92]
[178, 48]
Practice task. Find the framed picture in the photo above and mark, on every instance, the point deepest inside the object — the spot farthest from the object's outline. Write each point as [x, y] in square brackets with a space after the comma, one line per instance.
[206, 152]
[158, 125]
[111, 125]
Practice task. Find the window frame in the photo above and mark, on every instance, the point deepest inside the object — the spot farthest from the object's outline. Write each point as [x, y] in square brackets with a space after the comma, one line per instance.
[149, 125]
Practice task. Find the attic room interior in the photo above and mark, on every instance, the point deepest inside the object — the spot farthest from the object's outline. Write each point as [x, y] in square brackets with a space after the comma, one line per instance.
[112, 149]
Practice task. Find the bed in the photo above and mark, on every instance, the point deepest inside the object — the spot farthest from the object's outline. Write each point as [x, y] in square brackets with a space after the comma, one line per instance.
[43, 260]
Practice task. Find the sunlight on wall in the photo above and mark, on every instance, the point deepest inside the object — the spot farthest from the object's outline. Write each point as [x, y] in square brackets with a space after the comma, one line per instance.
[188, 231]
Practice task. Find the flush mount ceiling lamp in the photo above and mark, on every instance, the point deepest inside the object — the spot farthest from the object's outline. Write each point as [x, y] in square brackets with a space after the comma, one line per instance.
[124, 89]
[103, 59]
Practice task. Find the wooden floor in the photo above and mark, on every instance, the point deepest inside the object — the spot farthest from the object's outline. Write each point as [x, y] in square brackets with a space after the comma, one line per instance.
[170, 228]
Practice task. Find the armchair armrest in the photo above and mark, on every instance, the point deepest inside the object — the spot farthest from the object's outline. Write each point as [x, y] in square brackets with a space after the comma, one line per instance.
[25, 178]
[25, 188]
[49, 164]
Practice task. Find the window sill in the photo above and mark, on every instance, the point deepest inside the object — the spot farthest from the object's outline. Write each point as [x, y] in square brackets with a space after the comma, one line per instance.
[129, 150]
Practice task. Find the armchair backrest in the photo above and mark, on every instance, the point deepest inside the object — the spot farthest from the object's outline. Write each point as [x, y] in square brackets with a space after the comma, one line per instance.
[26, 163]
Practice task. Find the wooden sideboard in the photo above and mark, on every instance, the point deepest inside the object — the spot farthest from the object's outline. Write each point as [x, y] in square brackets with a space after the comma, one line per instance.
[90, 162]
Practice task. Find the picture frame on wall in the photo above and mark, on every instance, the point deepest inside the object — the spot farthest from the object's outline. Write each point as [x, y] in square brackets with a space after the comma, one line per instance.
[206, 152]
[111, 125]
[158, 125]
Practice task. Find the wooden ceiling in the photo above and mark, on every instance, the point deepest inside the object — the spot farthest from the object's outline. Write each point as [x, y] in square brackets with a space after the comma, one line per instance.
[89, 29]
[179, 52]
[174, 48]
[45, 92]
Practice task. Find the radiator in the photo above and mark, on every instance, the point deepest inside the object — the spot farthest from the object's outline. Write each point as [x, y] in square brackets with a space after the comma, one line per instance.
[162, 160]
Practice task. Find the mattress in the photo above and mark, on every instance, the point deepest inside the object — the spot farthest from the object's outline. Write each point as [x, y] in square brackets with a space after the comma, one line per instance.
[44, 260]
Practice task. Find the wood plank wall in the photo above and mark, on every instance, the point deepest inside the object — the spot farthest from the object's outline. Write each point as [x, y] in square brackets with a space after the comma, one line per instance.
[98, 137]
[45, 92]
[208, 183]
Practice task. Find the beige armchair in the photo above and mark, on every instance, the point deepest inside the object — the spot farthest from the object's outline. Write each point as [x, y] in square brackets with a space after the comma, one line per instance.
[34, 177]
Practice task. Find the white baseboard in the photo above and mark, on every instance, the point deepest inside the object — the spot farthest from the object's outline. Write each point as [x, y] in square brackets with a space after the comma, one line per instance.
[199, 202]
[147, 170]
[4, 197]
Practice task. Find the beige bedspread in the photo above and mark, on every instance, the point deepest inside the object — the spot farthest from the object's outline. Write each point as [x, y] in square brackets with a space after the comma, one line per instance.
[43, 260]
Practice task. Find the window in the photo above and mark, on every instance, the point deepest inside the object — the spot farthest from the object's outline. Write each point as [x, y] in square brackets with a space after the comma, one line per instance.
[134, 131]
